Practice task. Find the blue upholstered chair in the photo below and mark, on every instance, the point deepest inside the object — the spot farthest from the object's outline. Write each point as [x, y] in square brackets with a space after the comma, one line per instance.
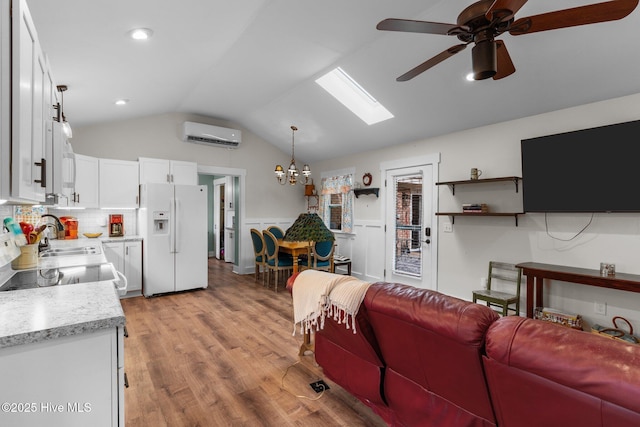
[259, 253]
[276, 261]
[276, 231]
[320, 259]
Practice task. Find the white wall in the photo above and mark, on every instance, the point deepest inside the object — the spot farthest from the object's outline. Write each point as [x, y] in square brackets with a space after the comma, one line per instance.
[160, 137]
[464, 254]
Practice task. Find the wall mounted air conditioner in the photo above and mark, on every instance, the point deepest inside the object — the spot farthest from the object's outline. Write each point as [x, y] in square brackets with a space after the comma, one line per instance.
[200, 133]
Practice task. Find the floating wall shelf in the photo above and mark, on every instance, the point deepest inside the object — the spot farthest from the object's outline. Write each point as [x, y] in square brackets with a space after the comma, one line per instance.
[359, 191]
[452, 185]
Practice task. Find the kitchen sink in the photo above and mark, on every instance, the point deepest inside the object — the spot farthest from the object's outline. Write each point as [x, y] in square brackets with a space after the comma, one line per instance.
[86, 250]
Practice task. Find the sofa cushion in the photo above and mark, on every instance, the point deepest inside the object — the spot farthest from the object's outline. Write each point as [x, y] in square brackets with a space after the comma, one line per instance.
[433, 346]
[560, 376]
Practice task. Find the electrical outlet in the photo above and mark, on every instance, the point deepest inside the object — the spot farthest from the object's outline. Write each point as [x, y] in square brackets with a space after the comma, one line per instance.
[319, 386]
[447, 227]
[600, 307]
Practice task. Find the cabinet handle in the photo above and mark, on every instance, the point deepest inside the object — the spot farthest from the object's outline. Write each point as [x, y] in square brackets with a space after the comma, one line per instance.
[168, 178]
[126, 333]
[126, 381]
[43, 172]
[126, 250]
[171, 177]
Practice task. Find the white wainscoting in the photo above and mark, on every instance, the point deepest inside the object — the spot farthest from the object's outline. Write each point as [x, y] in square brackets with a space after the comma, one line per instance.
[367, 250]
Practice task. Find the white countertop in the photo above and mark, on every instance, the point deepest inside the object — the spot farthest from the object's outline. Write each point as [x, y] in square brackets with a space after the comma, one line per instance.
[32, 315]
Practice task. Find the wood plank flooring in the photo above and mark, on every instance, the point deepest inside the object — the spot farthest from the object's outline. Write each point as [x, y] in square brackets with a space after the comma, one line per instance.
[217, 357]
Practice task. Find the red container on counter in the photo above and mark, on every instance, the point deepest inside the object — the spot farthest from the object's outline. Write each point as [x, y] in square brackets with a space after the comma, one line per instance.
[70, 227]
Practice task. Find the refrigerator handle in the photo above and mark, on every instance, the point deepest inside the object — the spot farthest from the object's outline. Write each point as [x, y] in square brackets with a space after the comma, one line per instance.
[176, 225]
[172, 226]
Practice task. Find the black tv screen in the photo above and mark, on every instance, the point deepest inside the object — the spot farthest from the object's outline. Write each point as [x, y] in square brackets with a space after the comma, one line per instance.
[591, 170]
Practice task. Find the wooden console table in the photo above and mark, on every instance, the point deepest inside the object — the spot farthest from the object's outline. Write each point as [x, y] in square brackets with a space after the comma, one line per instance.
[537, 272]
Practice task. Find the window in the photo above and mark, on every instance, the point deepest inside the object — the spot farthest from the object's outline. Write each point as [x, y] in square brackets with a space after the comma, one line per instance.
[335, 212]
[336, 202]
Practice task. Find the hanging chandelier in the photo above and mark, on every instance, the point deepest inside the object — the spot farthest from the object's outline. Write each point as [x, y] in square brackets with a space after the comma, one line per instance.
[291, 175]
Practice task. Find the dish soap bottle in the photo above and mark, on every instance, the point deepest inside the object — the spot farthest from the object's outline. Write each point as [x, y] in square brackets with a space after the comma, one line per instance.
[15, 229]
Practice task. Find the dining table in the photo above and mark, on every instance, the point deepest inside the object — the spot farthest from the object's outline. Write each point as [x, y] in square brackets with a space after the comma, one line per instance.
[295, 249]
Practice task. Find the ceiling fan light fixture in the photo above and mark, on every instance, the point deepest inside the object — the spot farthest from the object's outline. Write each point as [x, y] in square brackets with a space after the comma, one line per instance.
[484, 60]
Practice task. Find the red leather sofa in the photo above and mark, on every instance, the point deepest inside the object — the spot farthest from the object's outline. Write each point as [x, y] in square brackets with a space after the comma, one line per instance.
[421, 358]
[541, 374]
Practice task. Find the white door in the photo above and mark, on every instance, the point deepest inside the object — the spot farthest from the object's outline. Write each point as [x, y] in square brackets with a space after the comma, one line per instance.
[409, 214]
[190, 237]
[218, 216]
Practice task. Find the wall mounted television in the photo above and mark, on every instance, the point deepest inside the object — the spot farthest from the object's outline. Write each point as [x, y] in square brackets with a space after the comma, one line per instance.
[590, 170]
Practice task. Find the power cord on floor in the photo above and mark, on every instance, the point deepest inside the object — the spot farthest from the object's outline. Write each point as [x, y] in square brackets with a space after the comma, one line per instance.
[297, 395]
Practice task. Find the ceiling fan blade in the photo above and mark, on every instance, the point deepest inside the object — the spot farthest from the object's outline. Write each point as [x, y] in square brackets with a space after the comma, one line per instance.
[583, 15]
[505, 65]
[410, 26]
[504, 9]
[431, 62]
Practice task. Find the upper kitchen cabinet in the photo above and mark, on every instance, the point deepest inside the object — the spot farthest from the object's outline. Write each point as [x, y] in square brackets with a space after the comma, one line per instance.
[5, 102]
[118, 183]
[167, 171]
[28, 109]
[86, 189]
[27, 91]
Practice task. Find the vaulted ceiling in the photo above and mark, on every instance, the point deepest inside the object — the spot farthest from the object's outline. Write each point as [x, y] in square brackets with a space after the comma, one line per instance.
[254, 62]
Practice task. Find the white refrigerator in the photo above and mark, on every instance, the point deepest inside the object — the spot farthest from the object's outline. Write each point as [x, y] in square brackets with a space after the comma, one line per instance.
[173, 222]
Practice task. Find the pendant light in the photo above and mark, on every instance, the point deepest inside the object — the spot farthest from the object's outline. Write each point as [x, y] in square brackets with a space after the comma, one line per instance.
[292, 173]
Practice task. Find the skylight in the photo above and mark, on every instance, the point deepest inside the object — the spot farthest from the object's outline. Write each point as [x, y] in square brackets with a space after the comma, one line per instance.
[353, 96]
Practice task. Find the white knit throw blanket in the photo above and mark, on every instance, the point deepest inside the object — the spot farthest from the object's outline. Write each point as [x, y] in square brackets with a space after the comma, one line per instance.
[317, 294]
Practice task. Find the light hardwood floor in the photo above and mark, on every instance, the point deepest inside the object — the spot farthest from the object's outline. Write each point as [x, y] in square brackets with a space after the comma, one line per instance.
[217, 357]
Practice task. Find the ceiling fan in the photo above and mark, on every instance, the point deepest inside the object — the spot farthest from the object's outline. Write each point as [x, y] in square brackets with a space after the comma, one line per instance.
[485, 20]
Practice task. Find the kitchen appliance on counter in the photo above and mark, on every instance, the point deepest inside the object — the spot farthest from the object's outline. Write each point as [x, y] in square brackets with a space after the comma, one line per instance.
[116, 225]
[173, 222]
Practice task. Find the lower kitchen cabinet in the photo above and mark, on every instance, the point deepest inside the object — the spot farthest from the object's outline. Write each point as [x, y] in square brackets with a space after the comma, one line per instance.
[75, 380]
[126, 256]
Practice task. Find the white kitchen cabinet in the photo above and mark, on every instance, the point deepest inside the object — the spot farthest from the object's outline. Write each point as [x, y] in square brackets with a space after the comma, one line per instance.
[70, 381]
[86, 188]
[29, 76]
[167, 171]
[5, 102]
[126, 256]
[118, 183]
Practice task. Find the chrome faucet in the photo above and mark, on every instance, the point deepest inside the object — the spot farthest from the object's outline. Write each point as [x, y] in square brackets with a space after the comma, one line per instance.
[59, 227]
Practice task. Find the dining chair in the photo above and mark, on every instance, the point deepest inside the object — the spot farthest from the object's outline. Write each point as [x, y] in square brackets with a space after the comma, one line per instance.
[276, 231]
[259, 253]
[321, 258]
[501, 275]
[275, 261]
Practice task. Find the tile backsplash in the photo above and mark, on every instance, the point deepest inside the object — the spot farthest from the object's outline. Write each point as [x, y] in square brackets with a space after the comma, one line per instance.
[89, 220]
[97, 220]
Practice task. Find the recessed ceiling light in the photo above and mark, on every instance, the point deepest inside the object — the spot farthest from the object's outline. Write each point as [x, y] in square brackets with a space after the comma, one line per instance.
[140, 33]
[122, 101]
[353, 96]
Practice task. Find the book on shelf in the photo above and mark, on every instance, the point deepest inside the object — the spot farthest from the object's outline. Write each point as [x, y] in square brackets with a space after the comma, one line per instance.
[475, 207]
